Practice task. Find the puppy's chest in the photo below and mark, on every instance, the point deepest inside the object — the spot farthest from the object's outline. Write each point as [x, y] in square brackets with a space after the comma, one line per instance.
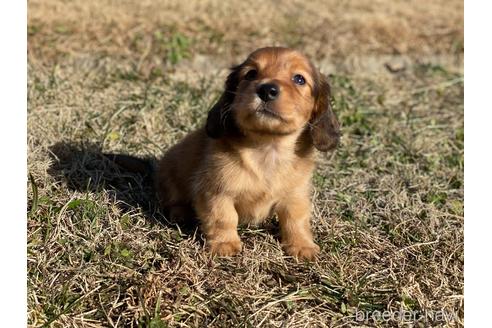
[268, 167]
[260, 183]
[264, 174]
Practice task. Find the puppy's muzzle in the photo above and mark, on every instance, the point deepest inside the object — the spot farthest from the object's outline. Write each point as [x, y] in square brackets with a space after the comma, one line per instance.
[268, 91]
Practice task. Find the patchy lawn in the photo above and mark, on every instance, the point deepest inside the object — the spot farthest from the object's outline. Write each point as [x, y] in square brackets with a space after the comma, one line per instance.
[136, 76]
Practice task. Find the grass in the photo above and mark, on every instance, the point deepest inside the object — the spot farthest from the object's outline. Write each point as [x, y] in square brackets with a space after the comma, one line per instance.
[135, 77]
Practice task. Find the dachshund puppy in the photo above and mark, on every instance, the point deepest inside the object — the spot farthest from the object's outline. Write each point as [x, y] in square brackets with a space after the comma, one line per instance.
[255, 156]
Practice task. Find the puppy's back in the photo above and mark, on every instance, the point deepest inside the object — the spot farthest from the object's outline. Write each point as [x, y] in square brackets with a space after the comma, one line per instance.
[175, 170]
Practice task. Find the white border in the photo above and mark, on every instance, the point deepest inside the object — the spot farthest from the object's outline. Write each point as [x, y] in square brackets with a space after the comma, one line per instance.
[13, 91]
[478, 139]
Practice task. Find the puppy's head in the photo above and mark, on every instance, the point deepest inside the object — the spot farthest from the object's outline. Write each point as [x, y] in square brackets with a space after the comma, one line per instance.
[276, 91]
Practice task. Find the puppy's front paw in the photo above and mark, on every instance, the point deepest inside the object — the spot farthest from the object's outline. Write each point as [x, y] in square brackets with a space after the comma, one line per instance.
[302, 251]
[226, 248]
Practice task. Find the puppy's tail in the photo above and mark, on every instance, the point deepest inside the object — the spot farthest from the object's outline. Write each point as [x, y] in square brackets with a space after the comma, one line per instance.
[143, 166]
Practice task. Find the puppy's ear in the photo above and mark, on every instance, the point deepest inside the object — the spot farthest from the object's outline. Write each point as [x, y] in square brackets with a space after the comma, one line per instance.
[324, 126]
[220, 120]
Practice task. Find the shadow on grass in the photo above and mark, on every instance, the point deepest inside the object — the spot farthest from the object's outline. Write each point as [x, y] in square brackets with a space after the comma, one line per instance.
[85, 168]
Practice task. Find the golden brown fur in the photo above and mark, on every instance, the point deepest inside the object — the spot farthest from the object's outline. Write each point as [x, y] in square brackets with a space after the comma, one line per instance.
[254, 157]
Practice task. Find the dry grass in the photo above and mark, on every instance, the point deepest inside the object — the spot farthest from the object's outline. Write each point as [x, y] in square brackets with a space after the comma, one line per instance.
[135, 76]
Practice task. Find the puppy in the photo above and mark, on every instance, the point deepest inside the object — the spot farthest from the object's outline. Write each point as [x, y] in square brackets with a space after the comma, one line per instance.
[255, 156]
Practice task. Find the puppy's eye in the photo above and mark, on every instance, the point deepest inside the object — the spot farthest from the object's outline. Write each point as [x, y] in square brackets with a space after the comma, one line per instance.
[298, 79]
[251, 75]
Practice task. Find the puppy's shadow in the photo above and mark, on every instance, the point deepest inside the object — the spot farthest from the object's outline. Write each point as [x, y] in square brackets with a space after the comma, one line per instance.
[85, 168]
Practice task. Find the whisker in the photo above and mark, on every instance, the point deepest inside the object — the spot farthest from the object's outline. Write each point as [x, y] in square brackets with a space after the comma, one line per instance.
[235, 93]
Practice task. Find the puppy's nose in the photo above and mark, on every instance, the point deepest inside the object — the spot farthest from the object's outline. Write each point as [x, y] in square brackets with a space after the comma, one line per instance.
[267, 91]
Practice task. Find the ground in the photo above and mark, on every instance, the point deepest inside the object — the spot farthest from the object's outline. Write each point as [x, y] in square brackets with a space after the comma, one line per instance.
[134, 77]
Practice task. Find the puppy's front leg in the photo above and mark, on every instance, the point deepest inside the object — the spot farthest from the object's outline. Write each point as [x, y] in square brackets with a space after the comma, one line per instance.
[219, 221]
[294, 216]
